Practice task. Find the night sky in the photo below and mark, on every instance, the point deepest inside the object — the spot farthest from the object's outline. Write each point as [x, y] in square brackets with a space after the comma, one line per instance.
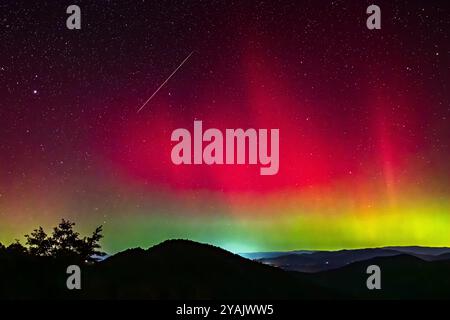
[363, 118]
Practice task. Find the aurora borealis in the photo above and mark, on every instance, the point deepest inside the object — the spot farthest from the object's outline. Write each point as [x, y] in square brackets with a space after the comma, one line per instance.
[363, 117]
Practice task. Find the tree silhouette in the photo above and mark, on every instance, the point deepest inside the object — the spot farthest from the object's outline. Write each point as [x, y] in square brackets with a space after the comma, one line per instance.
[38, 243]
[65, 243]
[64, 240]
[89, 247]
[16, 248]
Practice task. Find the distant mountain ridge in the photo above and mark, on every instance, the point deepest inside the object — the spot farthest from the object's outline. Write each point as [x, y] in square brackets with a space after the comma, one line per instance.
[315, 261]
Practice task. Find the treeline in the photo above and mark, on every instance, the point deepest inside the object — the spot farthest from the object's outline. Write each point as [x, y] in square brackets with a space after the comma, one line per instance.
[63, 243]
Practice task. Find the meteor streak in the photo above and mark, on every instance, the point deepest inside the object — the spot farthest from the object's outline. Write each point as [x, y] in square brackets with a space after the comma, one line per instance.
[162, 84]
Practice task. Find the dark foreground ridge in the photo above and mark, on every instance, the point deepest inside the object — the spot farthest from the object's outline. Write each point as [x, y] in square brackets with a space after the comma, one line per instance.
[183, 269]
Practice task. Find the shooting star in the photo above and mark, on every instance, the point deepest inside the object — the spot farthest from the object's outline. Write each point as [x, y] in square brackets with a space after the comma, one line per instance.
[162, 84]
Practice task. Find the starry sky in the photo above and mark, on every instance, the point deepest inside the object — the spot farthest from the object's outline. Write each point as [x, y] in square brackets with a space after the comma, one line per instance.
[363, 118]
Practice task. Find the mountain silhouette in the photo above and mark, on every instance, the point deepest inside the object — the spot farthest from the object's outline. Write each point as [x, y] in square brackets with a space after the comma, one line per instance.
[325, 260]
[174, 269]
[315, 261]
[183, 269]
[402, 277]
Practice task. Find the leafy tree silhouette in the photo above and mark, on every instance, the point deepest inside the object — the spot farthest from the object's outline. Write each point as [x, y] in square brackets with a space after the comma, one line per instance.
[38, 243]
[65, 243]
[64, 240]
[16, 248]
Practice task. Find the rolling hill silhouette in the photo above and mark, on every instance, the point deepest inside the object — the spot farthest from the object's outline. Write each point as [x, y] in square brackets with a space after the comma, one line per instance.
[182, 269]
[174, 269]
[325, 260]
[315, 261]
[403, 277]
